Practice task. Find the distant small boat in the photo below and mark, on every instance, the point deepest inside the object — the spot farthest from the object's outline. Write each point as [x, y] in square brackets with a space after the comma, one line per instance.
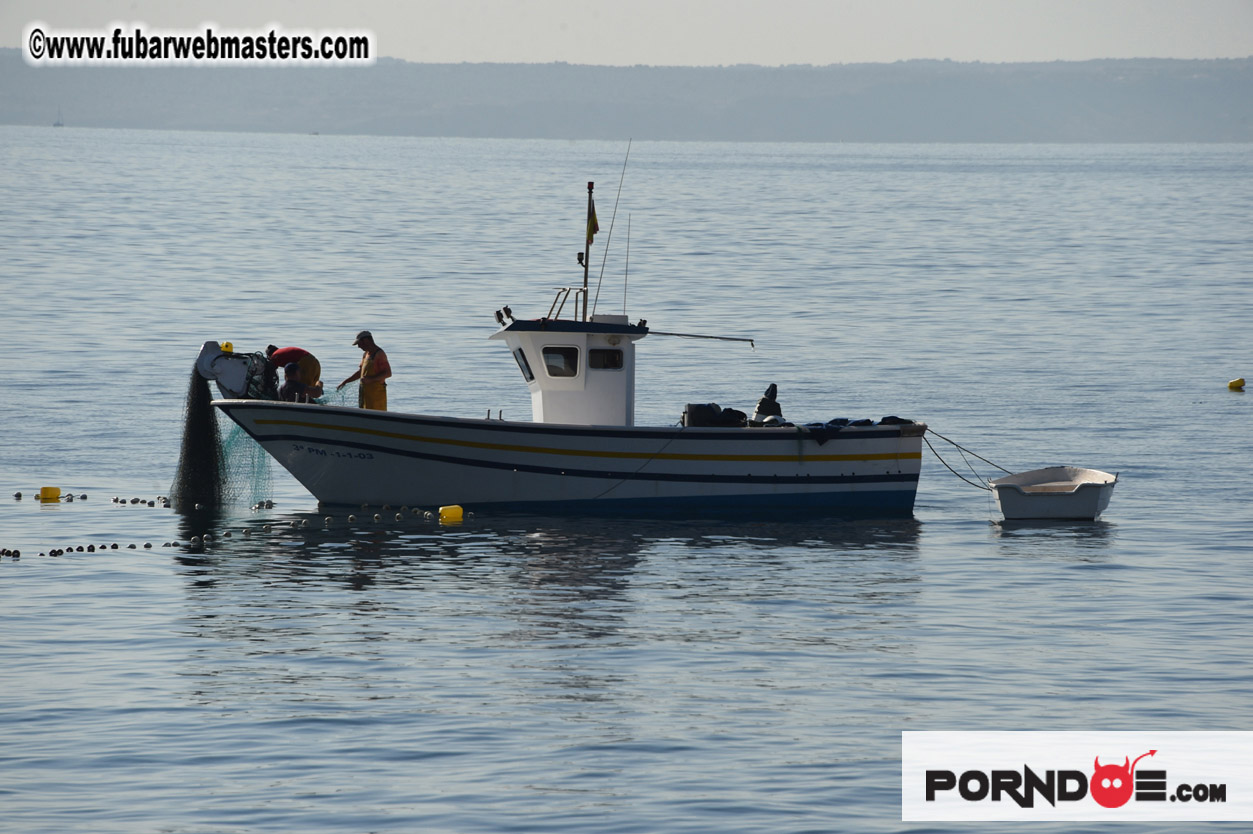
[1057, 492]
[58, 122]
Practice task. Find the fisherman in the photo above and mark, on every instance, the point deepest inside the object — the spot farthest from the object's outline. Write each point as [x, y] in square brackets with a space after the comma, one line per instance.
[295, 391]
[310, 368]
[373, 373]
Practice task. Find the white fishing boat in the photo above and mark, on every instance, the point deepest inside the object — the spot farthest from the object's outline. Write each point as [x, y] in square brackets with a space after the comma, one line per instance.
[1055, 493]
[582, 451]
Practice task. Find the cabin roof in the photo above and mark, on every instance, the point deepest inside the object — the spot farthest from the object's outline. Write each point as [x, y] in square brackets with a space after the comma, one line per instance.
[570, 326]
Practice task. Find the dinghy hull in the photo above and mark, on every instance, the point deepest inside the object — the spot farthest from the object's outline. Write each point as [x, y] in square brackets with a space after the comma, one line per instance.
[1056, 493]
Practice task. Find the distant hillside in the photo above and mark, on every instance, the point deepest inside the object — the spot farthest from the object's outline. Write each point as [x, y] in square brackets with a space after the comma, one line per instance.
[1141, 100]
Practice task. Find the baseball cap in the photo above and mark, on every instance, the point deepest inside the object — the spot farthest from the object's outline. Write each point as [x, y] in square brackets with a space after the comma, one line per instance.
[362, 336]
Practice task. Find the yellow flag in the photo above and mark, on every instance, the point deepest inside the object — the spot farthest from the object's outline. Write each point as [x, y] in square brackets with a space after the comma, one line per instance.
[592, 226]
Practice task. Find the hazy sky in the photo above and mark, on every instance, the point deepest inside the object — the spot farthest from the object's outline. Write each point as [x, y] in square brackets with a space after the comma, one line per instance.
[707, 32]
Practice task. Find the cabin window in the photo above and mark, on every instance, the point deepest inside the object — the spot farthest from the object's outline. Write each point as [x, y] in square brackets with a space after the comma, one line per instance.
[561, 361]
[605, 359]
[523, 364]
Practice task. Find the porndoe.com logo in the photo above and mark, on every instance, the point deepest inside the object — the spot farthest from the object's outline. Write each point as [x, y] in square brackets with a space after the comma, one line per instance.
[1110, 786]
[1040, 775]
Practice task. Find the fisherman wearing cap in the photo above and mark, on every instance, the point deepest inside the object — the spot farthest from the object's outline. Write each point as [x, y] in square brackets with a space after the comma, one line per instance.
[373, 374]
[295, 391]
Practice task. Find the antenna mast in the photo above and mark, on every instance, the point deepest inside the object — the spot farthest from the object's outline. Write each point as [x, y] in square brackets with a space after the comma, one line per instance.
[627, 267]
[587, 245]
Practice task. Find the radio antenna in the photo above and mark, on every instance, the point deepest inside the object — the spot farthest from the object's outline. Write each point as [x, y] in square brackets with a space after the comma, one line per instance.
[609, 237]
[626, 269]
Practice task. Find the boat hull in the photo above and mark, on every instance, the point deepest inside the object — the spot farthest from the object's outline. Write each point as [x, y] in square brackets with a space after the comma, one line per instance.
[354, 456]
[1057, 493]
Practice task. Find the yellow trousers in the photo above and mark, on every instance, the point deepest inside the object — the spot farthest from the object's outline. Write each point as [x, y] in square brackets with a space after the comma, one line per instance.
[373, 396]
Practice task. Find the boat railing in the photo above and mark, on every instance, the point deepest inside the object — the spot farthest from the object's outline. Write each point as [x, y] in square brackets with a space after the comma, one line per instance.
[563, 294]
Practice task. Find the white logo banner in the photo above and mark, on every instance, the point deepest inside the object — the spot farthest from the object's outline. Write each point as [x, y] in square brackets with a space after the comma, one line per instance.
[1099, 776]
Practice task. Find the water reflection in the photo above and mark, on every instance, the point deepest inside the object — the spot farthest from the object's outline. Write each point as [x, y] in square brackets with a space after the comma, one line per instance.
[591, 557]
[1079, 532]
[194, 523]
[822, 534]
[1053, 527]
[1081, 540]
[300, 608]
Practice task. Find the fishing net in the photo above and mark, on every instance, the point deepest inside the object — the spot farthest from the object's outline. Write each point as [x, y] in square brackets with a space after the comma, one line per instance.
[346, 396]
[262, 378]
[219, 463]
[247, 468]
[200, 460]
[216, 467]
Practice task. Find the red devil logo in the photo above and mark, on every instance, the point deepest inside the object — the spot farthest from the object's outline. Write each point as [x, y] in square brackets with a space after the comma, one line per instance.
[1111, 785]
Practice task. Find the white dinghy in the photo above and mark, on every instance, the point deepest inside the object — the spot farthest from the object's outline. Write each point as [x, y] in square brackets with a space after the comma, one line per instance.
[1056, 493]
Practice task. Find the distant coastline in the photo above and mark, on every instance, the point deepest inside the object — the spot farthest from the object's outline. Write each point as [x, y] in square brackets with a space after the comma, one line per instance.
[1125, 100]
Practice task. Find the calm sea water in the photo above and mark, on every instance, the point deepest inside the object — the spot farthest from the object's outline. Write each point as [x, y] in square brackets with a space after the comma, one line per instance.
[1039, 304]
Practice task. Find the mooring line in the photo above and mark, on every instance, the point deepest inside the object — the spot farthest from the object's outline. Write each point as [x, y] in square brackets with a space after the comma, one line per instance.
[966, 461]
[959, 446]
[951, 469]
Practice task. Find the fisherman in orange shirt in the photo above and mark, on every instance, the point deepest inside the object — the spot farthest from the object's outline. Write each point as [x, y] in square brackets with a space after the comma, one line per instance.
[373, 373]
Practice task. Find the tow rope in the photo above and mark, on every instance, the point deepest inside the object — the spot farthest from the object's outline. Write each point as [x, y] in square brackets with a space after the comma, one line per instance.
[963, 451]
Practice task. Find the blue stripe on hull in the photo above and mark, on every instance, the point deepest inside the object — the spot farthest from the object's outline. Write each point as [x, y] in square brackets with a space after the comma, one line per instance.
[885, 504]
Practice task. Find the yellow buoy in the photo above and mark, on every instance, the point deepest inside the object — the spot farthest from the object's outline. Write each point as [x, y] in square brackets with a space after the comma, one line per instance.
[227, 347]
[50, 493]
[1236, 384]
[452, 514]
